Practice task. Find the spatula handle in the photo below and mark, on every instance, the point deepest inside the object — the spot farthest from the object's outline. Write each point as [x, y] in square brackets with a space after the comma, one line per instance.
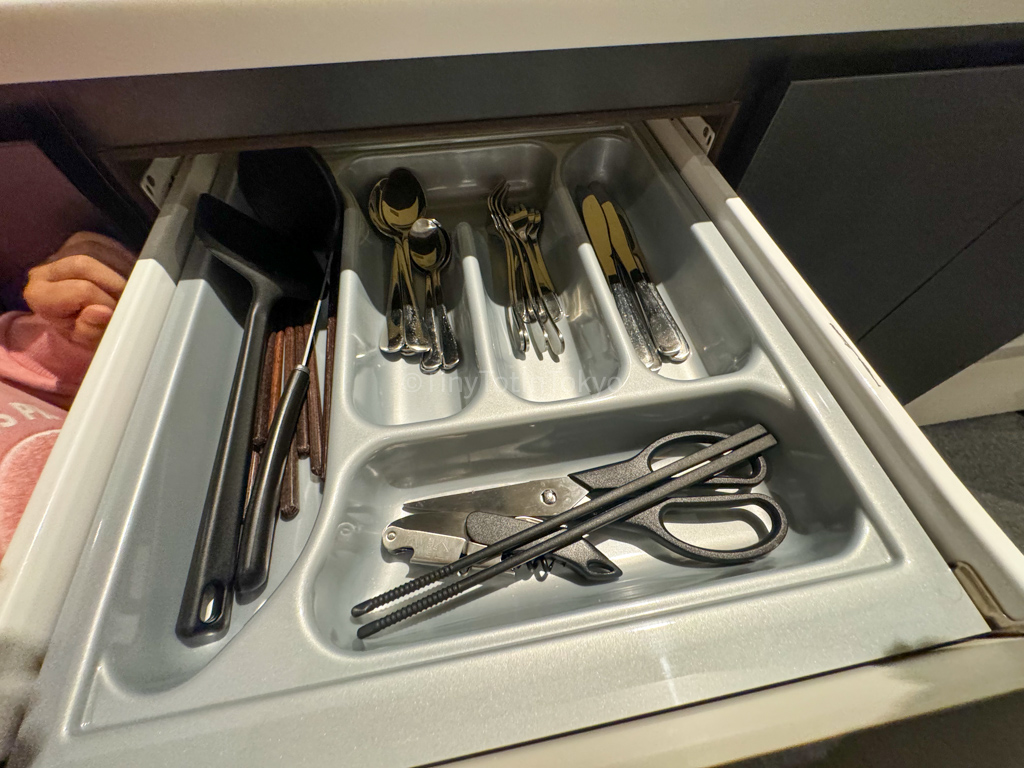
[261, 517]
[206, 602]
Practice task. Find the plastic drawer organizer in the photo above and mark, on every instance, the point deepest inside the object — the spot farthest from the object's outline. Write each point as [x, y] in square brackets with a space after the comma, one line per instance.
[856, 579]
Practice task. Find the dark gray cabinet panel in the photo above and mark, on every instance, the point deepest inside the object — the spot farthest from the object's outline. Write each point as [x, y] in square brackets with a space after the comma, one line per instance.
[975, 303]
[871, 185]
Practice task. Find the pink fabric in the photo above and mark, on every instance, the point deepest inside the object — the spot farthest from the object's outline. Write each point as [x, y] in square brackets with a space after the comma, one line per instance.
[40, 371]
[37, 359]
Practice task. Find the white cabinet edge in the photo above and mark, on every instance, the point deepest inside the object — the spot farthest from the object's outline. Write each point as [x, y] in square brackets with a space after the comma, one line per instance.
[994, 384]
[39, 563]
[954, 520]
[80, 39]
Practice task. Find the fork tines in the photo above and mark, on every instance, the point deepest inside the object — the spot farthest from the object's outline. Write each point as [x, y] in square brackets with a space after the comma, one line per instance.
[532, 296]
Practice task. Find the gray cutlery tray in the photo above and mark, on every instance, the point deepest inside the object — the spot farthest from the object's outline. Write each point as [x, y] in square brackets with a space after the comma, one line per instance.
[855, 580]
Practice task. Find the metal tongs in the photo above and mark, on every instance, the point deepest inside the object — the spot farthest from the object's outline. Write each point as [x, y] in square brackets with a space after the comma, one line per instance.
[632, 491]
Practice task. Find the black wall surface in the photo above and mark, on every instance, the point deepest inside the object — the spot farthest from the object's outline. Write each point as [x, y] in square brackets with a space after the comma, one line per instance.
[210, 106]
[898, 197]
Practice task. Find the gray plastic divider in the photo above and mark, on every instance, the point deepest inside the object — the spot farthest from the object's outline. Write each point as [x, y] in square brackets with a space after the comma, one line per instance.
[855, 580]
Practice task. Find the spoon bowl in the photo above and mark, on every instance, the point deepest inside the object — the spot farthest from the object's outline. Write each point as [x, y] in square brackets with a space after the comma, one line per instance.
[373, 211]
[430, 247]
[402, 200]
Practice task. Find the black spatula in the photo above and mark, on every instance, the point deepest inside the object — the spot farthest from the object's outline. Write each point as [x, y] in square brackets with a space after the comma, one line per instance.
[275, 268]
[293, 191]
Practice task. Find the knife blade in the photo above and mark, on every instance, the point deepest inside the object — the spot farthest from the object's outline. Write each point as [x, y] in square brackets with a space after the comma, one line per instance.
[665, 333]
[597, 231]
[636, 328]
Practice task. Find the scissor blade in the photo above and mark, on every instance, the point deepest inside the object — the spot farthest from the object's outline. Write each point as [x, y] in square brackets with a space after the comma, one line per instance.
[534, 497]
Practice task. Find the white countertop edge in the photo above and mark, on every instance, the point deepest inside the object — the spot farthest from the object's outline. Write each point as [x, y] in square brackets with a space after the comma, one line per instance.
[42, 40]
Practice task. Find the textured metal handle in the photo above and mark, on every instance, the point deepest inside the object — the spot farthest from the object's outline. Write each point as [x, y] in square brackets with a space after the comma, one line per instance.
[638, 335]
[450, 354]
[416, 340]
[431, 360]
[666, 334]
[547, 287]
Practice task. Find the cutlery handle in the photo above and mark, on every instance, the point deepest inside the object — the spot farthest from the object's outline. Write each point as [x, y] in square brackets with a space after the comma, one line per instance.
[416, 340]
[206, 602]
[550, 296]
[261, 517]
[315, 415]
[431, 360]
[638, 335]
[666, 334]
[543, 277]
[450, 354]
[393, 311]
[517, 306]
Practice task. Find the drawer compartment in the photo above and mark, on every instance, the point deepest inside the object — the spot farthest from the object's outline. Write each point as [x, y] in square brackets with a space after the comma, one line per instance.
[855, 580]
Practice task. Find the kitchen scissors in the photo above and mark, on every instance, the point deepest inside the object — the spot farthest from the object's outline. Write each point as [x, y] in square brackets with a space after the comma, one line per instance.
[442, 529]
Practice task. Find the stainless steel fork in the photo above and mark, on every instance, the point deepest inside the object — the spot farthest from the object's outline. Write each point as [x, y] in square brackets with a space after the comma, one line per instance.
[533, 293]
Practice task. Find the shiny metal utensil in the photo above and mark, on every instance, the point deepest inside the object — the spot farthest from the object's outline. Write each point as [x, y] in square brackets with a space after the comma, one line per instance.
[430, 248]
[515, 312]
[636, 329]
[440, 538]
[538, 312]
[394, 341]
[546, 497]
[401, 202]
[665, 333]
[527, 223]
[531, 312]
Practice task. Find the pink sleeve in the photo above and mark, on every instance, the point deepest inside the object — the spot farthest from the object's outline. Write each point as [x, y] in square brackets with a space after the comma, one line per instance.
[35, 358]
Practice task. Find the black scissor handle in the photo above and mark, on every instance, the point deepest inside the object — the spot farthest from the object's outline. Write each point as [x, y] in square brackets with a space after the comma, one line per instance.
[614, 475]
[652, 521]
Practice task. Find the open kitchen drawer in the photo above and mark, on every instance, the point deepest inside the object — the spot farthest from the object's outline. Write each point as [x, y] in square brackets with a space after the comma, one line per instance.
[857, 580]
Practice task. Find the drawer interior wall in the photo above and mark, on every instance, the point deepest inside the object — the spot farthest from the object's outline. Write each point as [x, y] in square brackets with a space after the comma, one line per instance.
[855, 566]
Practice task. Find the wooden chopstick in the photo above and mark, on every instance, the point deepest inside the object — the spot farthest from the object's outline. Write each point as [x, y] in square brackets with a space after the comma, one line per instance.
[302, 428]
[288, 506]
[262, 425]
[315, 416]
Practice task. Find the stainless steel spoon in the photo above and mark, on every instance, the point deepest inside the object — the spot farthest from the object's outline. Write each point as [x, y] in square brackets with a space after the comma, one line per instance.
[394, 341]
[431, 249]
[401, 202]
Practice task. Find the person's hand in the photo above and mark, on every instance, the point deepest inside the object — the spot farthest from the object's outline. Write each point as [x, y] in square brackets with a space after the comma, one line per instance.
[78, 287]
